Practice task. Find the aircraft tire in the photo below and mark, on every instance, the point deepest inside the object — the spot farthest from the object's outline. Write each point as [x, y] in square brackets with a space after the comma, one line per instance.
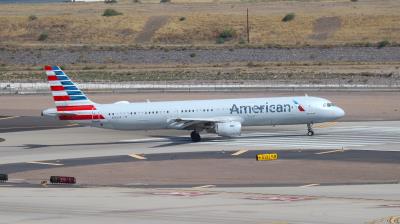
[195, 136]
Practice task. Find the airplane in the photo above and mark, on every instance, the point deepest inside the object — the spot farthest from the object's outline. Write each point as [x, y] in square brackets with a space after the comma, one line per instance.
[224, 117]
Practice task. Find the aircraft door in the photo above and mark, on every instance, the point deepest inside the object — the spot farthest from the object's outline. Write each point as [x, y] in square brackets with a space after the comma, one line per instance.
[310, 110]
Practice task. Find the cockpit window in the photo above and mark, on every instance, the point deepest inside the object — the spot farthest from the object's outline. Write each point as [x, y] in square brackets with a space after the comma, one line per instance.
[329, 104]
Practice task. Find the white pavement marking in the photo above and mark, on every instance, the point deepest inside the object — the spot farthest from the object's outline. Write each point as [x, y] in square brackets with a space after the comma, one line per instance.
[333, 151]
[142, 140]
[310, 185]
[204, 186]
[332, 138]
[16, 181]
[240, 152]
[137, 156]
[44, 163]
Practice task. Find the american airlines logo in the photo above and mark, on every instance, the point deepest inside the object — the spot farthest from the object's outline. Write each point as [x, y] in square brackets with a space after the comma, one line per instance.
[267, 108]
[255, 109]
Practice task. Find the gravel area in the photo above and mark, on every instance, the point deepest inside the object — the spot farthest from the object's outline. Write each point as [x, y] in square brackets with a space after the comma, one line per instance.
[159, 56]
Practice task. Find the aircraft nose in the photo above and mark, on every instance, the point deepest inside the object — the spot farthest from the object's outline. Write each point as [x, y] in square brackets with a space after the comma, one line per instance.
[340, 112]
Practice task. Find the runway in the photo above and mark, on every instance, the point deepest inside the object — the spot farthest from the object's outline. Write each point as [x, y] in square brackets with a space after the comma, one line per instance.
[78, 142]
[377, 204]
[347, 173]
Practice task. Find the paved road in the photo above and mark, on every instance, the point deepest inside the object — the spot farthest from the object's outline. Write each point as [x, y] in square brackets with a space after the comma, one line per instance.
[387, 157]
[78, 142]
[27, 123]
[316, 204]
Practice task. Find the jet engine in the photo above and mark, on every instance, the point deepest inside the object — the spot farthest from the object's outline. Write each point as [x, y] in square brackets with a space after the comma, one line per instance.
[228, 129]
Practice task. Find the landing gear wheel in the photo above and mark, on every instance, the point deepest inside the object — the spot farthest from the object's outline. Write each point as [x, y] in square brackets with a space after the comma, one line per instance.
[310, 130]
[195, 136]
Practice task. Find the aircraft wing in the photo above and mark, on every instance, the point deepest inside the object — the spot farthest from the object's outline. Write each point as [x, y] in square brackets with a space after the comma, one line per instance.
[192, 123]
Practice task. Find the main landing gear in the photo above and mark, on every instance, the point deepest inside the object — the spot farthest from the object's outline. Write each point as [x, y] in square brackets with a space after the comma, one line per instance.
[310, 130]
[195, 136]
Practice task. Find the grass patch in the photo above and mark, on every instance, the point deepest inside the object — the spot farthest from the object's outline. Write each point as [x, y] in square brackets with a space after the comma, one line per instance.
[288, 17]
[32, 17]
[111, 12]
[43, 36]
[382, 44]
[226, 35]
[220, 40]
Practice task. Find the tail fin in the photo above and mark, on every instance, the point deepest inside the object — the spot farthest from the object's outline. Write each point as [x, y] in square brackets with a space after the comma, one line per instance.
[71, 102]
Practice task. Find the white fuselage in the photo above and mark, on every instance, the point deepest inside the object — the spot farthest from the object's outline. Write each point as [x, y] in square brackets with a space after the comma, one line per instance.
[247, 111]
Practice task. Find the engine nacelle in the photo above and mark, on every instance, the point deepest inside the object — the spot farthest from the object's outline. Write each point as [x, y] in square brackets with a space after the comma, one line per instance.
[228, 129]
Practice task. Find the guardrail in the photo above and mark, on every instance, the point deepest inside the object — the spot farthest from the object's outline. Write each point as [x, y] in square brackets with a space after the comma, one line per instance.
[42, 88]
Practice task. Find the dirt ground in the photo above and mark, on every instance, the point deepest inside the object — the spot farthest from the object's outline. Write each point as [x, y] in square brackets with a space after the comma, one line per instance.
[317, 23]
[366, 105]
[223, 171]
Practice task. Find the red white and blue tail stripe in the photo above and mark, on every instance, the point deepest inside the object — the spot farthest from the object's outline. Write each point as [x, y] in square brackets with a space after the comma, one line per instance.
[71, 102]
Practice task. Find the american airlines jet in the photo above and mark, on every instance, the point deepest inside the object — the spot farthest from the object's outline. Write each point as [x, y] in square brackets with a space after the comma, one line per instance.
[224, 117]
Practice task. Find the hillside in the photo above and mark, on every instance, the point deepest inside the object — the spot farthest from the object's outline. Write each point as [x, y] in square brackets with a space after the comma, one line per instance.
[315, 23]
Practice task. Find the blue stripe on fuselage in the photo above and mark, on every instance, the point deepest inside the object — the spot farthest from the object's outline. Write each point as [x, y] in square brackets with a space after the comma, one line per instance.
[59, 73]
[55, 68]
[67, 83]
[70, 88]
[74, 93]
[77, 98]
[62, 77]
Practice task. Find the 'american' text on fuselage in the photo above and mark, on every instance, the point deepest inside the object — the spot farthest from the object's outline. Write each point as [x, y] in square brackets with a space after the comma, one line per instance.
[278, 108]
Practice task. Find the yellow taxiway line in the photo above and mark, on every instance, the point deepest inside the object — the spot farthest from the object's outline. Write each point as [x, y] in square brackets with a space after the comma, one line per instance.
[394, 219]
[240, 152]
[137, 156]
[50, 126]
[325, 125]
[6, 118]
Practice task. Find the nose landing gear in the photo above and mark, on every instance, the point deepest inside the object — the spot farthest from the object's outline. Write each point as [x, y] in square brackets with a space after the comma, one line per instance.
[195, 136]
[310, 130]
